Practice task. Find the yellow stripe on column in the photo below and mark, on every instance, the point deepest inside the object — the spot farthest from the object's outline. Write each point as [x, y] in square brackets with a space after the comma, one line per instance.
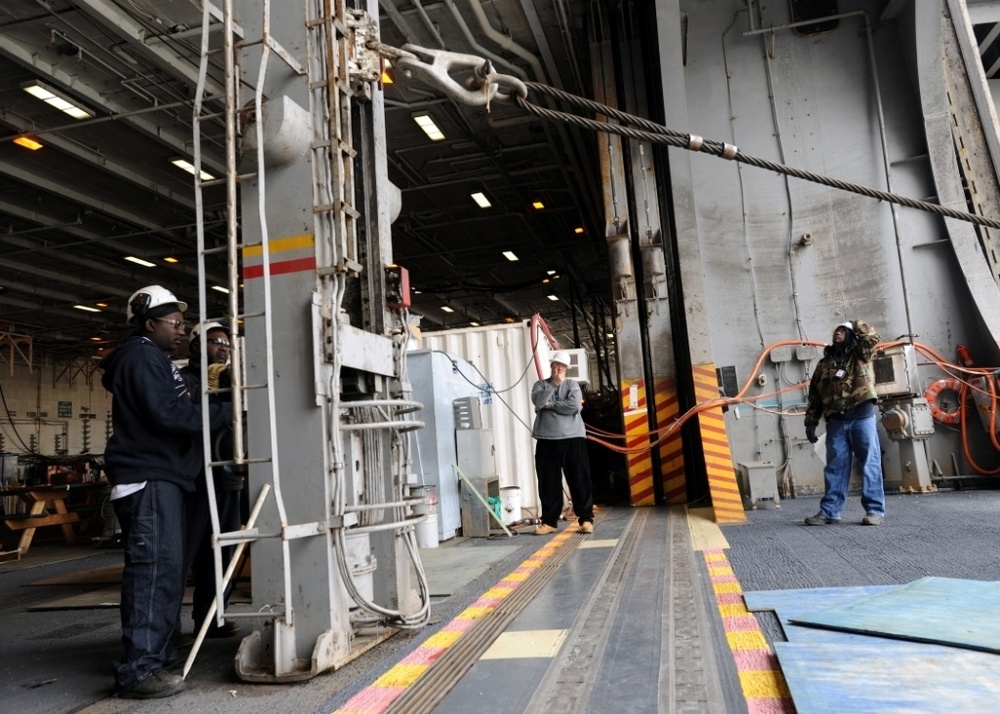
[726, 501]
[640, 465]
[671, 452]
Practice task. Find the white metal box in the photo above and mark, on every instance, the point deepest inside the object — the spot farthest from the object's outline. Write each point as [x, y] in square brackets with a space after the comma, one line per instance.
[759, 484]
[895, 371]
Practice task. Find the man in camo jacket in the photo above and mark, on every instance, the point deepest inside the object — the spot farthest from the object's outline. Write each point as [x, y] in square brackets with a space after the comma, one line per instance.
[842, 392]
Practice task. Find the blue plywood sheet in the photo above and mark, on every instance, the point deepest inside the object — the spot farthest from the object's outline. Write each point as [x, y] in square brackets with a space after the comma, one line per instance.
[789, 604]
[889, 676]
[961, 613]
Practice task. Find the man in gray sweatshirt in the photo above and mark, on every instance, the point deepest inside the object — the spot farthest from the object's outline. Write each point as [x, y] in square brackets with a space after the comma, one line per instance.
[561, 448]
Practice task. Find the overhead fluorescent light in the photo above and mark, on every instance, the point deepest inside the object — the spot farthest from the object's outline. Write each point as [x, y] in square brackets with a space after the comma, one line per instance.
[474, 324]
[140, 261]
[28, 143]
[509, 255]
[170, 259]
[553, 298]
[96, 339]
[578, 230]
[54, 98]
[425, 122]
[101, 304]
[445, 308]
[220, 289]
[537, 205]
[86, 308]
[481, 199]
[551, 272]
[186, 165]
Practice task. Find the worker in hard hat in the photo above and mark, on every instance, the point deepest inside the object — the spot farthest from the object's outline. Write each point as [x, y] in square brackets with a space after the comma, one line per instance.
[214, 340]
[561, 447]
[151, 459]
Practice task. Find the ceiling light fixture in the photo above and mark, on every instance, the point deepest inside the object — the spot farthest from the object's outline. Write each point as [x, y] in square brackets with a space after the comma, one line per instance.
[186, 165]
[101, 304]
[537, 205]
[553, 298]
[578, 230]
[86, 308]
[480, 198]
[140, 261]
[28, 143]
[551, 272]
[425, 122]
[55, 98]
[445, 308]
[170, 259]
[473, 324]
[220, 289]
[509, 255]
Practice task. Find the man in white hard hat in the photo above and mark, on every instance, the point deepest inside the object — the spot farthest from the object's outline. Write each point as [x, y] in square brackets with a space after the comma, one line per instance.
[151, 460]
[199, 554]
[561, 448]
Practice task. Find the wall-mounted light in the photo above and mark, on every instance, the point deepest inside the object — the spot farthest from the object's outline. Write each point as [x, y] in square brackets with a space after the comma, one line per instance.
[186, 165]
[425, 122]
[28, 143]
[481, 200]
[55, 98]
[509, 255]
[140, 261]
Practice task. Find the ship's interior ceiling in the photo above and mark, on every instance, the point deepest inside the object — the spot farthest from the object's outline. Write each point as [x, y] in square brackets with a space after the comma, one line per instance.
[102, 188]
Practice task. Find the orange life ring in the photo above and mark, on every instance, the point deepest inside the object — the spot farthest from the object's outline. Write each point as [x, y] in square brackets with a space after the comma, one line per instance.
[931, 395]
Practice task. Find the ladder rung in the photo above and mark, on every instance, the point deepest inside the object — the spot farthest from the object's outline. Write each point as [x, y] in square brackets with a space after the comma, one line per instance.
[248, 615]
[213, 115]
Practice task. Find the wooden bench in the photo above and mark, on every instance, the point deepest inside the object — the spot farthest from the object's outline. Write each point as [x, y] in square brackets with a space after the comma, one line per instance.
[46, 506]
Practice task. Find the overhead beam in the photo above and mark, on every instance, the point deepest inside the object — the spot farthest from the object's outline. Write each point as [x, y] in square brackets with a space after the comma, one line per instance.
[96, 159]
[134, 34]
[28, 57]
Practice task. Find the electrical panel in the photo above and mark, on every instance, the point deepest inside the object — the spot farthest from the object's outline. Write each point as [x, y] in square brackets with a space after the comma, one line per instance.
[397, 287]
[895, 371]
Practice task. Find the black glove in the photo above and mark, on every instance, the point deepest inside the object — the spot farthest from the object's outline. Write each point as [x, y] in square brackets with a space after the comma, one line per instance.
[811, 434]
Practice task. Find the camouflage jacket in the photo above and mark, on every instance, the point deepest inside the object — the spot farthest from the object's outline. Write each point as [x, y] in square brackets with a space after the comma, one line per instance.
[843, 381]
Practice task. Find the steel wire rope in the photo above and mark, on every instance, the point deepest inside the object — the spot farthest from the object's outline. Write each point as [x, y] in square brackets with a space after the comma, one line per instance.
[650, 131]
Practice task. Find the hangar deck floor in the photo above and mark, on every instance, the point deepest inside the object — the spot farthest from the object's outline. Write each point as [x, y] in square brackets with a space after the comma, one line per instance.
[645, 615]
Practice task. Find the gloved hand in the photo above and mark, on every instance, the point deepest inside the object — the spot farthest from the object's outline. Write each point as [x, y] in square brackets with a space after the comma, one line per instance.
[811, 434]
[215, 374]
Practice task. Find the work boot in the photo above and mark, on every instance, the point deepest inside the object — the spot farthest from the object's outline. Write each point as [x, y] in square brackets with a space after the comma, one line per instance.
[820, 520]
[586, 527]
[872, 519]
[157, 684]
[545, 529]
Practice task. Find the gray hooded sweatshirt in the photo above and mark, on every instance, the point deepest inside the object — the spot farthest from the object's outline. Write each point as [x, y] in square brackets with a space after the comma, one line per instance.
[557, 410]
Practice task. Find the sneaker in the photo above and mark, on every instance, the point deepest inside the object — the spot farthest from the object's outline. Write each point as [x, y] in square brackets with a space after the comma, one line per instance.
[158, 683]
[872, 519]
[545, 529]
[820, 520]
[586, 527]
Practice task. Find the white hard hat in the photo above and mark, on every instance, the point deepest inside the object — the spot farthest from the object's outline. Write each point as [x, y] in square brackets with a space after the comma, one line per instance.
[209, 326]
[145, 299]
[560, 356]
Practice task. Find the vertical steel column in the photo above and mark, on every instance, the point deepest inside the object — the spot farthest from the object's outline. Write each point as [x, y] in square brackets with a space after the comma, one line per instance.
[718, 461]
[628, 329]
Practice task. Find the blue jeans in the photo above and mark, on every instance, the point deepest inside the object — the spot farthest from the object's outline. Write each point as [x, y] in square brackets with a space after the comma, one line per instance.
[845, 440]
[152, 522]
